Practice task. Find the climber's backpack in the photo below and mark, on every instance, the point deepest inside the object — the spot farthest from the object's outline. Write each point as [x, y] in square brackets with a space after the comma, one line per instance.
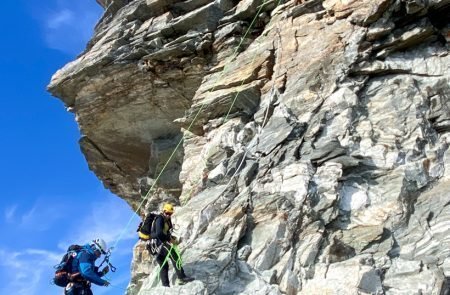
[63, 270]
[145, 227]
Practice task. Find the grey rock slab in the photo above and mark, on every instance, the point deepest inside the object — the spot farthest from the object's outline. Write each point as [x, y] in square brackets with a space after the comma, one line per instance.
[427, 234]
[411, 61]
[205, 17]
[370, 283]
[292, 180]
[323, 194]
[276, 130]
[217, 104]
[359, 238]
[347, 277]
[245, 9]
[353, 196]
[309, 243]
[192, 288]
[406, 277]
[225, 31]
[405, 38]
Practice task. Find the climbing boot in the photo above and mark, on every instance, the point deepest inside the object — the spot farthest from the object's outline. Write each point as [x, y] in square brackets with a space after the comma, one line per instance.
[184, 280]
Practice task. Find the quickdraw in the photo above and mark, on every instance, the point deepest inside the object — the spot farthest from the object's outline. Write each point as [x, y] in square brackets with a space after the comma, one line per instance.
[106, 260]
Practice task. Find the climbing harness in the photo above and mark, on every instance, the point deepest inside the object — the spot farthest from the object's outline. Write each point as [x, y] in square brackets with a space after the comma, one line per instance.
[153, 247]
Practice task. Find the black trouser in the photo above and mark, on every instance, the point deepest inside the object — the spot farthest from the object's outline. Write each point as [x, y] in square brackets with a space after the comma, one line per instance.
[161, 257]
[78, 289]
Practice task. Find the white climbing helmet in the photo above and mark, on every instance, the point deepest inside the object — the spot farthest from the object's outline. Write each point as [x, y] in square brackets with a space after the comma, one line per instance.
[100, 245]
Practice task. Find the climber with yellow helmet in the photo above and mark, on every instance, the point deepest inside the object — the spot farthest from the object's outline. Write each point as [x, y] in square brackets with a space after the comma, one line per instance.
[164, 246]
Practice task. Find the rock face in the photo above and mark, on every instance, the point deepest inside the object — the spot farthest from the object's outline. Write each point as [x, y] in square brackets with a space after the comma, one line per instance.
[308, 140]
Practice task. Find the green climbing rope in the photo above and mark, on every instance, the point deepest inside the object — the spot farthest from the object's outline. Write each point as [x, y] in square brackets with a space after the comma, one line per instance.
[179, 263]
[165, 260]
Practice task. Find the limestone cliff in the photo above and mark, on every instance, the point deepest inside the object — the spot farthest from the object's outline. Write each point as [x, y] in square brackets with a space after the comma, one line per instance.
[315, 136]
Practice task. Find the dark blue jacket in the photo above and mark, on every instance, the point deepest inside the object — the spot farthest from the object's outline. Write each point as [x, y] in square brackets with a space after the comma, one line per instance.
[84, 263]
[162, 228]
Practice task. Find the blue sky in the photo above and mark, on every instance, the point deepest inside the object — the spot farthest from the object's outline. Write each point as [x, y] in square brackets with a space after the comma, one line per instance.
[49, 198]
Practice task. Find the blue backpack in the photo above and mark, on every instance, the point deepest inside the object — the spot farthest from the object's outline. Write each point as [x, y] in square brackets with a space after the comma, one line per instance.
[63, 275]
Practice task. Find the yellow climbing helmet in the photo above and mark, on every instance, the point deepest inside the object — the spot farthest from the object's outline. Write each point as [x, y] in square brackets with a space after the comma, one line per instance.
[168, 208]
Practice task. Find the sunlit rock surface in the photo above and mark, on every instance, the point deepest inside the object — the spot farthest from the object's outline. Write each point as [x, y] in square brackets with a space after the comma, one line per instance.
[312, 140]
